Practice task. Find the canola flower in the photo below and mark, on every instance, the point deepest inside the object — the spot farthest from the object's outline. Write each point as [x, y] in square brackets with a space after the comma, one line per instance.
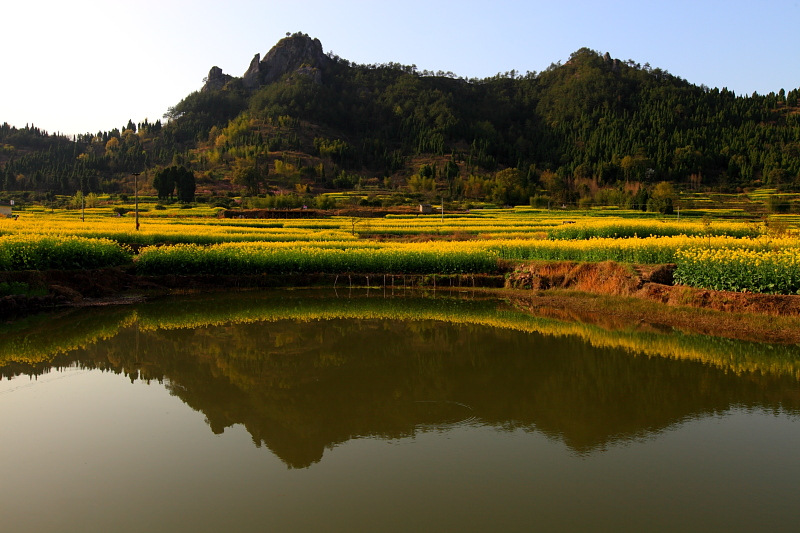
[500, 226]
[626, 228]
[648, 250]
[422, 258]
[266, 258]
[764, 271]
[36, 252]
[247, 246]
[168, 232]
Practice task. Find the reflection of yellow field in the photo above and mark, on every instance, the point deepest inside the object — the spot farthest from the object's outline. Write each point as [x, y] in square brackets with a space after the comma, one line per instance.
[730, 355]
[733, 355]
[47, 339]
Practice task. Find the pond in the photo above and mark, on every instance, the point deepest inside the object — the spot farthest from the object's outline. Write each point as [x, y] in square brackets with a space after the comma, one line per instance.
[316, 411]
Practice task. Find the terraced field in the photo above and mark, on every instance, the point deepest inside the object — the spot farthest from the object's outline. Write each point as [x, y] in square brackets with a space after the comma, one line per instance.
[756, 256]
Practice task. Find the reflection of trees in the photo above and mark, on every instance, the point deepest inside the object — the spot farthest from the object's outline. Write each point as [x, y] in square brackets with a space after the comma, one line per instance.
[301, 386]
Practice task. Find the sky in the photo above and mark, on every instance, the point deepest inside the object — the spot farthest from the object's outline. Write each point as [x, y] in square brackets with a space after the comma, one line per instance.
[77, 66]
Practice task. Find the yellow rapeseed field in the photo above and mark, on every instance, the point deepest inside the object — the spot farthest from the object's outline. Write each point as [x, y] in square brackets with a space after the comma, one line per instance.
[730, 255]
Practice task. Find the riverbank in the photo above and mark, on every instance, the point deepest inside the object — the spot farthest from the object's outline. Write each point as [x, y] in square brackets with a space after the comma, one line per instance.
[609, 294]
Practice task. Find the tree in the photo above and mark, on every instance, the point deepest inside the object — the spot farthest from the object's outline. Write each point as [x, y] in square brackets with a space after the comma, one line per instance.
[640, 199]
[356, 221]
[662, 199]
[507, 178]
[167, 180]
[77, 200]
[777, 176]
[9, 181]
[247, 176]
[628, 166]
[582, 171]
[185, 184]
[112, 146]
[554, 185]
[451, 170]
[687, 160]
[325, 202]
[419, 183]
[164, 183]
[500, 196]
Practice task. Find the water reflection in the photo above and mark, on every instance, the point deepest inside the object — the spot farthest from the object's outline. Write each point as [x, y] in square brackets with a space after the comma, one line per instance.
[304, 373]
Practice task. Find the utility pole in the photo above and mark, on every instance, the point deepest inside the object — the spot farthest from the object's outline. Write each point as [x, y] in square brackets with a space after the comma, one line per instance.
[145, 180]
[136, 198]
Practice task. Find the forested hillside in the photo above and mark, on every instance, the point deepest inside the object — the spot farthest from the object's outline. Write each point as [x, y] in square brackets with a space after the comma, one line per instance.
[594, 127]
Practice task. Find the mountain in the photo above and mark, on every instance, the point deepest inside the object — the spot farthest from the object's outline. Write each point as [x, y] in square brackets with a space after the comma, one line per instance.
[593, 127]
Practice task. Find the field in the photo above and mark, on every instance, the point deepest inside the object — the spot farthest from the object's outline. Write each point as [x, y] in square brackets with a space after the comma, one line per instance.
[721, 253]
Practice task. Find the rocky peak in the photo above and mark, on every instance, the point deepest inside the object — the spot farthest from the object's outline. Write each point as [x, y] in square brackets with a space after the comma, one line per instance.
[216, 80]
[614, 63]
[296, 53]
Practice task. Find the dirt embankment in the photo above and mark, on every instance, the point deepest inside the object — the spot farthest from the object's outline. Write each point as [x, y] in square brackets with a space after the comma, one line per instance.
[646, 282]
[543, 280]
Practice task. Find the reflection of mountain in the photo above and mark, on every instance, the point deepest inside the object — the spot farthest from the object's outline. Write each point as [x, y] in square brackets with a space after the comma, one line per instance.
[301, 386]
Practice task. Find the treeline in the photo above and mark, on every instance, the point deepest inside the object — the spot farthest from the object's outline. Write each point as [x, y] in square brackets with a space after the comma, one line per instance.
[590, 124]
[30, 137]
[33, 160]
[591, 117]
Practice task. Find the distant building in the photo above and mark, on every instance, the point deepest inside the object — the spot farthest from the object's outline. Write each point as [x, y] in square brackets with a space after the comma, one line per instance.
[5, 210]
[425, 209]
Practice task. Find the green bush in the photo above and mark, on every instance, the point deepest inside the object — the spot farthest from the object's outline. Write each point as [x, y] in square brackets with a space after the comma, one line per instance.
[19, 288]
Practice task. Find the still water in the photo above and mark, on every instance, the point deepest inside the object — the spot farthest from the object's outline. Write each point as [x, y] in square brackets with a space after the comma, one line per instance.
[308, 411]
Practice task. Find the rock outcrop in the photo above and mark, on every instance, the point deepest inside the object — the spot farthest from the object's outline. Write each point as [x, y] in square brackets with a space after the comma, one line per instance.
[298, 53]
[295, 54]
[613, 63]
[216, 80]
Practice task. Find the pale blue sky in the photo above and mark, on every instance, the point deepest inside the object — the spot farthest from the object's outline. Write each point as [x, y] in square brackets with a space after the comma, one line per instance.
[84, 65]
